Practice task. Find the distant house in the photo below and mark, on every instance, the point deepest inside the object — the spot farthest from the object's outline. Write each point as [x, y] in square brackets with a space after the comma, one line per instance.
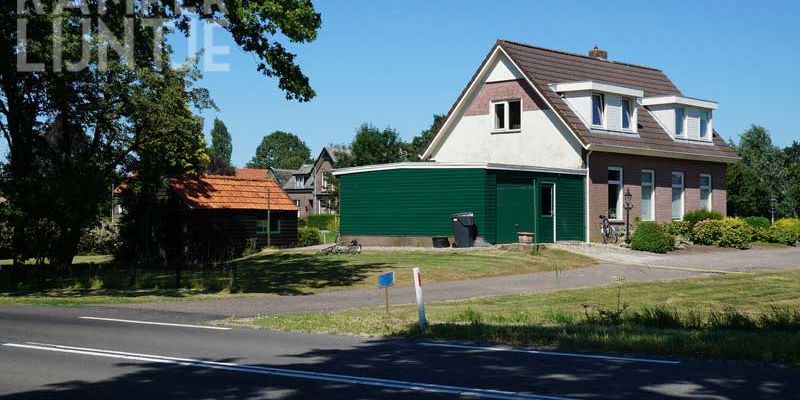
[307, 186]
[219, 216]
[546, 141]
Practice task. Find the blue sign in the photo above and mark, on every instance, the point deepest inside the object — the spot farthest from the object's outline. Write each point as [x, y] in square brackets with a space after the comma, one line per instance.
[385, 280]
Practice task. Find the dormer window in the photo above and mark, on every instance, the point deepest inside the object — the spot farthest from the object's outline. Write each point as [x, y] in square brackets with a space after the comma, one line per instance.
[680, 121]
[704, 124]
[627, 114]
[598, 108]
[507, 115]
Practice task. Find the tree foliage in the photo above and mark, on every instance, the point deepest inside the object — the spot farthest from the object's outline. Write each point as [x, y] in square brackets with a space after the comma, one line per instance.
[373, 146]
[280, 150]
[421, 142]
[220, 151]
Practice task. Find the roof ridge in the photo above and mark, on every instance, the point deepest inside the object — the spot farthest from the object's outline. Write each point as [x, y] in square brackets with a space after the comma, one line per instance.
[569, 53]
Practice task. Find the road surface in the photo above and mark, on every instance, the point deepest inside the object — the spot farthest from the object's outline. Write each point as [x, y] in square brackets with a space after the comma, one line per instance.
[58, 353]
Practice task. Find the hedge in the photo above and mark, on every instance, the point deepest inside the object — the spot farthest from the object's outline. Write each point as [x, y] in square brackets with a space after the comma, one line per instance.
[693, 217]
[707, 232]
[326, 222]
[650, 236]
[308, 236]
[735, 233]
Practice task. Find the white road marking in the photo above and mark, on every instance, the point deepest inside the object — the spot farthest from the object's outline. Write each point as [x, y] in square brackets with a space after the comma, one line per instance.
[319, 376]
[551, 353]
[129, 321]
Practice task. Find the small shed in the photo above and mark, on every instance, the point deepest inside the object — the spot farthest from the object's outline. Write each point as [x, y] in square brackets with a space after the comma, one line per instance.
[219, 216]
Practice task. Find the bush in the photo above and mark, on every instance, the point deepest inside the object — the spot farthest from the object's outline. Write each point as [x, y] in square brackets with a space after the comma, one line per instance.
[707, 232]
[302, 222]
[678, 228]
[102, 239]
[736, 233]
[308, 236]
[650, 236]
[760, 226]
[693, 217]
[785, 231]
[325, 222]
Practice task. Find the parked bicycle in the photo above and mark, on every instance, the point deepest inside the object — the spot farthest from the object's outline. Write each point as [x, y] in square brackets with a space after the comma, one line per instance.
[609, 232]
[353, 248]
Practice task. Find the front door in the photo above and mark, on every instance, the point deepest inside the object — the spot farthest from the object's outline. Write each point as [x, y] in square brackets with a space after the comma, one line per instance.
[546, 213]
[515, 208]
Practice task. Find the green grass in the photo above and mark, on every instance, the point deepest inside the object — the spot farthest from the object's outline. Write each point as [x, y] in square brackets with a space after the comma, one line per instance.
[79, 260]
[753, 317]
[274, 272]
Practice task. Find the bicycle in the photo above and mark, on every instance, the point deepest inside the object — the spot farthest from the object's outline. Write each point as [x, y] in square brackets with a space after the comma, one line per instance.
[608, 232]
[353, 248]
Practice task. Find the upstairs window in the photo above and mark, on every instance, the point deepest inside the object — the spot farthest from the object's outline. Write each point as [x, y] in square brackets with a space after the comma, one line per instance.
[680, 120]
[704, 124]
[507, 115]
[298, 182]
[627, 114]
[598, 108]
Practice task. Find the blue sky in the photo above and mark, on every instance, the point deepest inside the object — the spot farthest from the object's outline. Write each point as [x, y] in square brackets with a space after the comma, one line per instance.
[396, 63]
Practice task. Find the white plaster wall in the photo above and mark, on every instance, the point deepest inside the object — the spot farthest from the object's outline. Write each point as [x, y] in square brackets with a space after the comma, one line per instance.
[540, 143]
[581, 102]
[665, 115]
[503, 71]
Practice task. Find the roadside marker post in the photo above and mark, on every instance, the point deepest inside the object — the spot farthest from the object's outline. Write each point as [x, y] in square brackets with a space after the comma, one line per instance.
[420, 304]
[384, 281]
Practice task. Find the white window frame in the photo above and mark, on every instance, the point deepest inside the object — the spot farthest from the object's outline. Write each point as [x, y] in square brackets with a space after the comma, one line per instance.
[682, 133]
[704, 115]
[682, 186]
[621, 183]
[630, 111]
[709, 188]
[507, 115]
[652, 186]
[602, 110]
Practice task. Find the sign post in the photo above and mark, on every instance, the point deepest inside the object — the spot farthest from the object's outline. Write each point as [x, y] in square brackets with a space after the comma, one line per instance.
[420, 304]
[384, 281]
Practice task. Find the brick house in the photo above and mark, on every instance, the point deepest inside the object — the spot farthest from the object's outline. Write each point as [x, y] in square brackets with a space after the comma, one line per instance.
[307, 186]
[546, 141]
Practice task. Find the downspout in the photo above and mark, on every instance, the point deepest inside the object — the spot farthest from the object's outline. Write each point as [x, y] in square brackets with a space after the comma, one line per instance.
[588, 186]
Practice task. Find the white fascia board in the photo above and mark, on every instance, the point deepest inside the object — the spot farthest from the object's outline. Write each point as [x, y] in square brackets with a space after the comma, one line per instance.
[597, 87]
[445, 165]
[684, 101]
[662, 153]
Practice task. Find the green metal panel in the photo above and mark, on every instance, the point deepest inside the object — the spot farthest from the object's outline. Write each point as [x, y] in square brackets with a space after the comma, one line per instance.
[544, 223]
[412, 202]
[515, 207]
[570, 208]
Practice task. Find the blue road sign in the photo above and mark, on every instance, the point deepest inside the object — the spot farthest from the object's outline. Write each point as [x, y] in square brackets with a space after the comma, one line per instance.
[386, 280]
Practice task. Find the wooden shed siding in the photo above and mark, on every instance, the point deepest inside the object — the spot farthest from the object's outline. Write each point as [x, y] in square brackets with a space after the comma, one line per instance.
[412, 202]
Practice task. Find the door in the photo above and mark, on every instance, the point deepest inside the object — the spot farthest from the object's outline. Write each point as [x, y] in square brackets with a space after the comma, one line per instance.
[515, 208]
[546, 213]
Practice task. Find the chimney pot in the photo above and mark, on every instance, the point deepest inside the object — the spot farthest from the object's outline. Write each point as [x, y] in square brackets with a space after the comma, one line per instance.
[596, 52]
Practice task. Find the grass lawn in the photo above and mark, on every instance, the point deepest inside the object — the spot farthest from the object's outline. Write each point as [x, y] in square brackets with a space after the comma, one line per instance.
[691, 317]
[281, 273]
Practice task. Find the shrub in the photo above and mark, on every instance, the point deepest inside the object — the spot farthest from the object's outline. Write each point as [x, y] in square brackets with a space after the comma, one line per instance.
[707, 232]
[308, 236]
[760, 226]
[693, 217]
[678, 228]
[322, 221]
[650, 236]
[302, 222]
[102, 239]
[735, 233]
[785, 231]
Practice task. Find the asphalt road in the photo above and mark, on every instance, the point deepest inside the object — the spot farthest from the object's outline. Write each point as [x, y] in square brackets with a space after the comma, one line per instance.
[53, 353]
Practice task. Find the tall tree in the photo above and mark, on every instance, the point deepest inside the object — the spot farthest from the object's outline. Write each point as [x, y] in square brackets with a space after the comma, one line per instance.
[760, 176]
[793, 165]
[421, 142]
[374, 146]
[74, 120]
[220, 150]
[280, 150]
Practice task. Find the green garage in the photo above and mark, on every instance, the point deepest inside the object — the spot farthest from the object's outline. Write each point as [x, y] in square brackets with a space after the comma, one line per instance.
[409, 203]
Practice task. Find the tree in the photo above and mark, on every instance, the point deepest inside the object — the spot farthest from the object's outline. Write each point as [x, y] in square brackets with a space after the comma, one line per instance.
[421, 142]
[373, 146]
[72, 127]
[280, 150]
[220, 151]
[793, 165]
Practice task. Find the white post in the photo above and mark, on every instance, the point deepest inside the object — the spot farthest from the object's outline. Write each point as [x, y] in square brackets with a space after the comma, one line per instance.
[420, 304]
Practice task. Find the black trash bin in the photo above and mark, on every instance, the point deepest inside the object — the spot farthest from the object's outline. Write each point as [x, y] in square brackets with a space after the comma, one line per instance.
[464, 229]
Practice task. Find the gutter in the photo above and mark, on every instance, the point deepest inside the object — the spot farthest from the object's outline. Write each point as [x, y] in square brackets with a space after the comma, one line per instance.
[662, 153]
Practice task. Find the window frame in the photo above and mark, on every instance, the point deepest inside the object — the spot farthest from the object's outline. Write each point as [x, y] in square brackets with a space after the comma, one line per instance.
[710, 188]
[652, 186]
[260, 230]
[602, 115]
[682, 186]
[621, 189]
[506, 103]
[704, 120]
[626, 111]
[682, 132]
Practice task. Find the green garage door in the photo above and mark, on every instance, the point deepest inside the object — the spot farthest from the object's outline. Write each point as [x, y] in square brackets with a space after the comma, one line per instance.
[515, 208]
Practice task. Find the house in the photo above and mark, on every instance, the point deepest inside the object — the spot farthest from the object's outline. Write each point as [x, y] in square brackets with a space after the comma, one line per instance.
[546, 141]
[214, 216]
[308, 185]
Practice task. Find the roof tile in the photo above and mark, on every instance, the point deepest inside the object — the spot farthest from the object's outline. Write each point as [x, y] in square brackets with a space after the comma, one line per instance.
[230, 192]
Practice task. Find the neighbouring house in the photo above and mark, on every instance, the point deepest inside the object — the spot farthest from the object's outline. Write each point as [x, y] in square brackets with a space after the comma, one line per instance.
[216, 216]
[308, 185]
[546, 141]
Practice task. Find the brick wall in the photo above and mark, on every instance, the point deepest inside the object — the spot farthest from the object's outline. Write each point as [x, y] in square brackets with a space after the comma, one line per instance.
[632, 167]
[505, 90]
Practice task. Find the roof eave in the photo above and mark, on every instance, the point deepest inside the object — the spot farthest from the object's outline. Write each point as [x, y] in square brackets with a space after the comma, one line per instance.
[662, 153]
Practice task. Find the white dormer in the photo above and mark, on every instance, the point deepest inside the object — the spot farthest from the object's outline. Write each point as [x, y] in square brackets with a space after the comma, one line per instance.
[684, 117]
[603, 106]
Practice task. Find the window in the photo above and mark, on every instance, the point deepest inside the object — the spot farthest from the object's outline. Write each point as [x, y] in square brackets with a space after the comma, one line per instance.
[298, 182]
[598, 108]
[261, 226]
[677, 195]
[507, 115]
[627, 114]
[679, 121]
[648, 191]
[547, 200]
[703, 124]
[614, 193]
[705, 192]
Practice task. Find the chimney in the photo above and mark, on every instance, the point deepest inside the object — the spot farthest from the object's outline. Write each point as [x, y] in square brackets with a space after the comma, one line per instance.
[597, 53]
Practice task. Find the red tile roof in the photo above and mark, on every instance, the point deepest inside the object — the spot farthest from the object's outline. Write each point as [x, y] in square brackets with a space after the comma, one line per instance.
[230, 192]
[252, 173]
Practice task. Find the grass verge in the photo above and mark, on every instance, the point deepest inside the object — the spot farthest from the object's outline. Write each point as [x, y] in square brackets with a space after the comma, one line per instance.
[749, 317]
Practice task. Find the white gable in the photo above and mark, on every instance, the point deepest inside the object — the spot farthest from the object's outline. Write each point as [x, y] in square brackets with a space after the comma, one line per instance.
[503, 70]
